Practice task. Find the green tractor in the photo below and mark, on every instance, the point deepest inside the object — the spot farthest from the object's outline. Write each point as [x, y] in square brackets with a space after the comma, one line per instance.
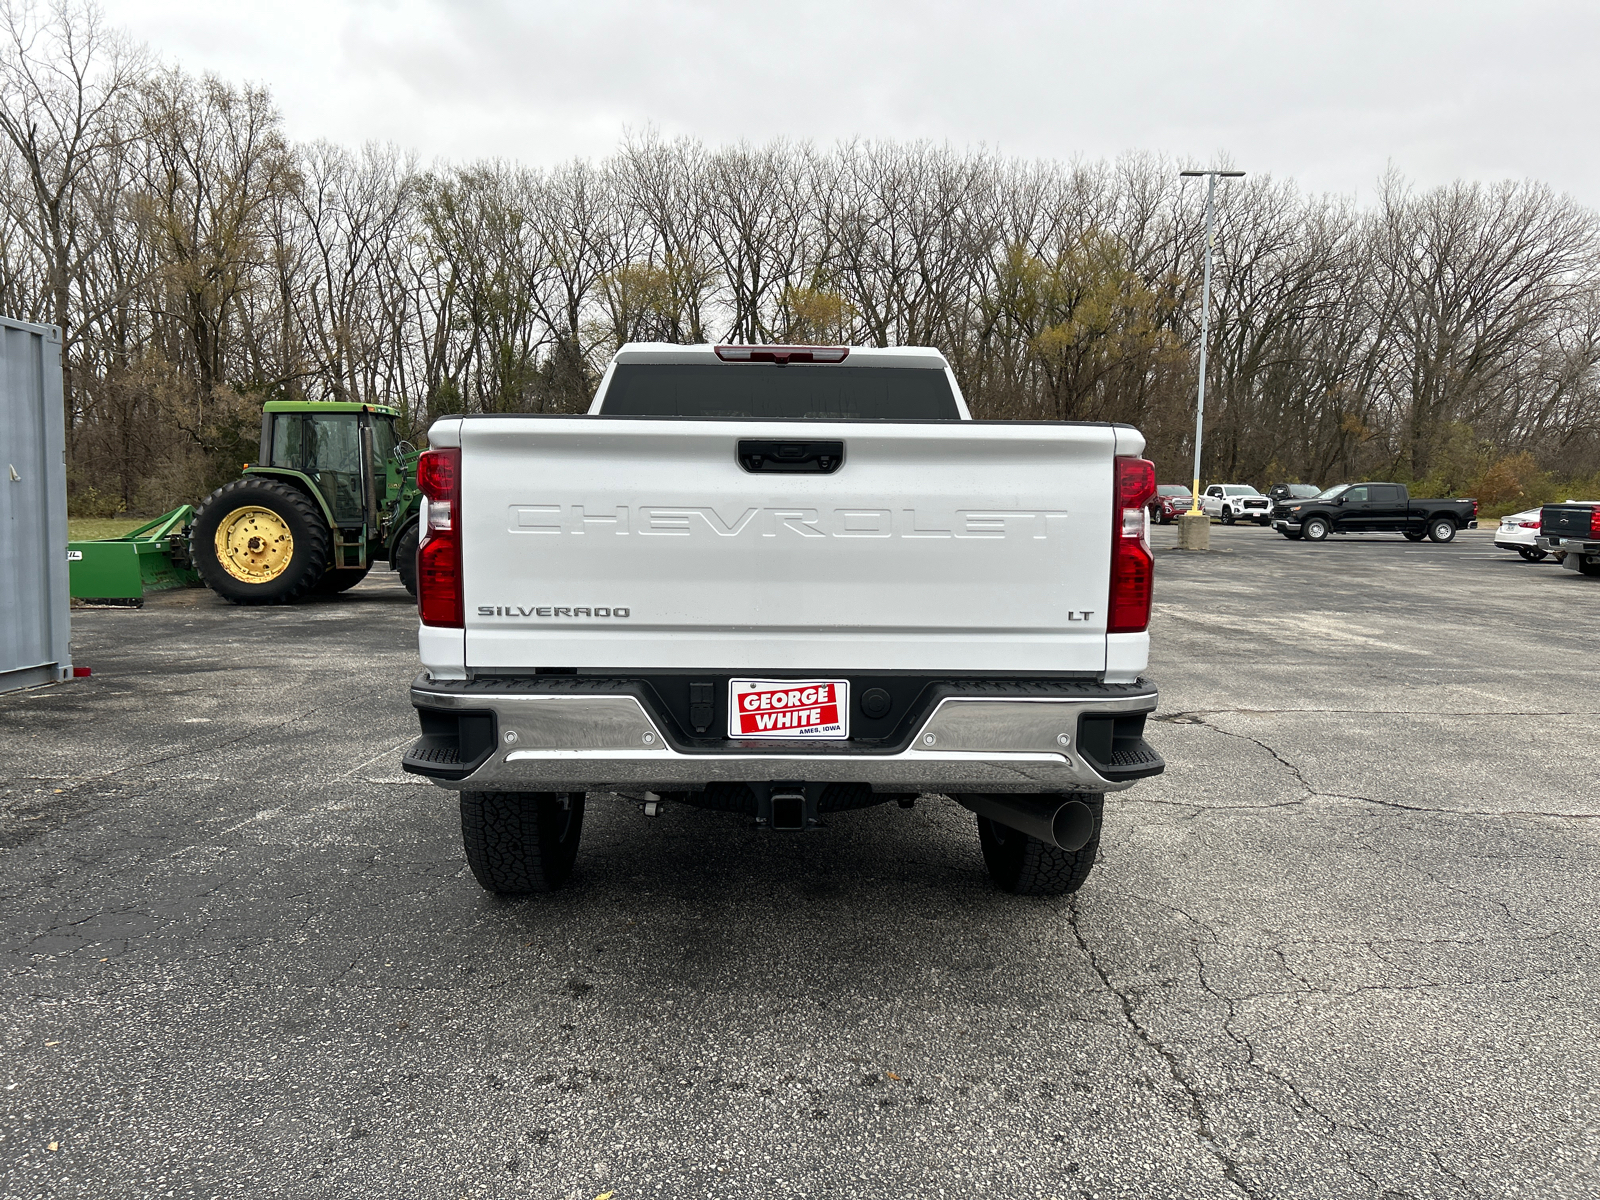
[334, 492]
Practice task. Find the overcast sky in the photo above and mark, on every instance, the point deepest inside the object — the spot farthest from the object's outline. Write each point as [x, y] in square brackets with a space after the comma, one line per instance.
[1325, 93]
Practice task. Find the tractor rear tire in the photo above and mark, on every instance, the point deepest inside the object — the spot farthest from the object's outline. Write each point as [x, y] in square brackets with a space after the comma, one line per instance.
[1026, 866]
[405, 559]
[259, 541]
[340, 579]
[521, 842]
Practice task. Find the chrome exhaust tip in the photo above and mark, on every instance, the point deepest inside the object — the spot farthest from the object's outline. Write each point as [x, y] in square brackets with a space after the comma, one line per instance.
[1060, 820]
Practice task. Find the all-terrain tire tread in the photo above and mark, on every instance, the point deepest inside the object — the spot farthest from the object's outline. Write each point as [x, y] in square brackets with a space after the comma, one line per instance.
[1052, 871]
[512, 840]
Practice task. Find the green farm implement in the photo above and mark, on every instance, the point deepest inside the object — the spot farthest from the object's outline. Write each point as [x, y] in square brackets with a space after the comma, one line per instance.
[152, 558]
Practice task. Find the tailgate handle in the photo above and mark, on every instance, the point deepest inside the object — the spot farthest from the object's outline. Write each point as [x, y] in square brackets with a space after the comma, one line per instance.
[788, 457]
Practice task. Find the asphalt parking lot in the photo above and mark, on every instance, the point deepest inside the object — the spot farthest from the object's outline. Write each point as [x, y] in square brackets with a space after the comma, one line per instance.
[1345, 947]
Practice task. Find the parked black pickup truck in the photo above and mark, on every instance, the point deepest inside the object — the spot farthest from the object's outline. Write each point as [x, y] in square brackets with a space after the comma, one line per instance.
[1572, 530]
[1373, 508]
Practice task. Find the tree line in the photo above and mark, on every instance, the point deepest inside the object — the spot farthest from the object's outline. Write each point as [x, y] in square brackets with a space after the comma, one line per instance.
[200, 262]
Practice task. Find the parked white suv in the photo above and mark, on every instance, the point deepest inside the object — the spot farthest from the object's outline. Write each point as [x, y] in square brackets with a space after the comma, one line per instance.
[1232, 502]
[783, 581]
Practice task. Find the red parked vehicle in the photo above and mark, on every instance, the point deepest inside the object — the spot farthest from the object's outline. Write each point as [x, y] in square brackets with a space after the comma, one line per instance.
[1171, 501]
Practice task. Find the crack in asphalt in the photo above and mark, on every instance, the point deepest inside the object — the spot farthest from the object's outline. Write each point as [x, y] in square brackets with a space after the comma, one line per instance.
[1303, 1101]
[1253, 1059]
[1197, 1112]
[1300, 1101]
[1299, 776]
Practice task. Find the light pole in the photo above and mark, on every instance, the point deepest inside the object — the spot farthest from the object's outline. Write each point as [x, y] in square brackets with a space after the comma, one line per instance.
[1205, 317]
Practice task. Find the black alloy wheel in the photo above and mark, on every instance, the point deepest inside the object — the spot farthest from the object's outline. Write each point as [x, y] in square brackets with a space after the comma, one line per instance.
[1227, 515]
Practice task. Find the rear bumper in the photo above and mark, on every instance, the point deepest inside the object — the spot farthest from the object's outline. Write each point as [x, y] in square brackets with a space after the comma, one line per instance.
[1575, 550]
[573, 734]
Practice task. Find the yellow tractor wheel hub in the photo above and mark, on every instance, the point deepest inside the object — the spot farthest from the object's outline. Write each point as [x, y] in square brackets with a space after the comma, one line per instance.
[254, 544]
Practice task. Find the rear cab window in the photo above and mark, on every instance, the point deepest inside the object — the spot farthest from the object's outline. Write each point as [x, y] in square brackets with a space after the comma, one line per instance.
[766, 391]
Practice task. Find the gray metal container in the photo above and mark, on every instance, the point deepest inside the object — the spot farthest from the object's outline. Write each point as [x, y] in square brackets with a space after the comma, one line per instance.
[35, 613]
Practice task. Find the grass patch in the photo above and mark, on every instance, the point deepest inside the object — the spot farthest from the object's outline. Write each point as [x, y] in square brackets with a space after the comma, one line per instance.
[93, 529]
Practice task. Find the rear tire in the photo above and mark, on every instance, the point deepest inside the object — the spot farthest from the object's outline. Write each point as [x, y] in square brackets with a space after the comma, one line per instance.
[521, 842]
[340, 579]
[1316, 529]
[1442, 530]
[1532, 553]
[1587, 566]
[1025, 866]
[1415, 537]
[1264, 522]
[274, 540]
[405, 559]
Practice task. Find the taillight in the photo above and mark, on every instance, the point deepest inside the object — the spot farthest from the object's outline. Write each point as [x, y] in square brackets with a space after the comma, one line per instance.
[1474, 510]
[1133, 567]
[439, 599]
[1594, 521]
[1530, 524]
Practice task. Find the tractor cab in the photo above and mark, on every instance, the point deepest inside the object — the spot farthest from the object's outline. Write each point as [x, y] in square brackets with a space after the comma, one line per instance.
[346, 452]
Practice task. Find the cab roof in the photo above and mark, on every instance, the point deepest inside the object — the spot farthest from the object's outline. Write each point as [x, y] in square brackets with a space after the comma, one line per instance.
[327, 406]
[855, 356]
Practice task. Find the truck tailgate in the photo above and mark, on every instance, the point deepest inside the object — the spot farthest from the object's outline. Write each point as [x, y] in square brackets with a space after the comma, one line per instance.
[630, 545]
[1567, 520]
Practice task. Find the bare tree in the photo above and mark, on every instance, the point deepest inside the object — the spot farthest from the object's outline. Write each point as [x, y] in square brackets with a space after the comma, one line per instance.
[64, 79]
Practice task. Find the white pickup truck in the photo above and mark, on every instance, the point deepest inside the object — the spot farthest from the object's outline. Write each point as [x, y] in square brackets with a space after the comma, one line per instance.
[1236, 502]
[783, 582]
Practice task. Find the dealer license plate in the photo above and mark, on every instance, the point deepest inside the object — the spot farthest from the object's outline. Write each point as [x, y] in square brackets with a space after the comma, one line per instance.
[788, 708]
